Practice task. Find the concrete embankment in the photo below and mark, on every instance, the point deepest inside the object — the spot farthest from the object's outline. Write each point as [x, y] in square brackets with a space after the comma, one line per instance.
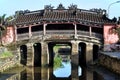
[110, 60]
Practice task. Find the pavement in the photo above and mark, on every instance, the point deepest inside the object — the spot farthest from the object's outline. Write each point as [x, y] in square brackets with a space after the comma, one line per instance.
[112, 54]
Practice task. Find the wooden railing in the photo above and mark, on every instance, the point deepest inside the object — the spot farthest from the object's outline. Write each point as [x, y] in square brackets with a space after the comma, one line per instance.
[60, 32]
[64, 32]
[93, 34]
[37, 33]
[23, 36]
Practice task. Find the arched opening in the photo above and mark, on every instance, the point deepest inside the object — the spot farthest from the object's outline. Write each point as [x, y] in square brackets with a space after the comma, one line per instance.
[95, 52]
[23, 54]
[82, 54]
[59, 56]
[37, 54]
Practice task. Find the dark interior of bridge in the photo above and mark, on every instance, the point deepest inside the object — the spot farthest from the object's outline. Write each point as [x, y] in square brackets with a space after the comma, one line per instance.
[82, 54]
[37, 54]
[23, 54]
[22, 30]
[37, 28]
[60, 27]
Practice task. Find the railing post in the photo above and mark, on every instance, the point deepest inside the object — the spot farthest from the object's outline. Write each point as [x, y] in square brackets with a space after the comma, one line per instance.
[90, 30]
[44, 29]
[30, 33]
[75, 28]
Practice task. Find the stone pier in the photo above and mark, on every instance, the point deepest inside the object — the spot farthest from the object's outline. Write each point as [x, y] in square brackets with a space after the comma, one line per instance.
[89, 53]
[44, 55]
[74, 60]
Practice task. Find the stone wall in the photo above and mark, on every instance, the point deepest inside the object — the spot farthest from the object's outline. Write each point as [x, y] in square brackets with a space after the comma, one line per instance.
[8, 63]
[110, 62]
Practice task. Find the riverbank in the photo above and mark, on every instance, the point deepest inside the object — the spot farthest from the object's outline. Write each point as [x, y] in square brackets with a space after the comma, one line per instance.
[8, 59]
[8, 63]
[110, 60]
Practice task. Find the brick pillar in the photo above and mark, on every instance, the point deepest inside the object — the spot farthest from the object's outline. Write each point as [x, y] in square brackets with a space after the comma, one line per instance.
[74, 60]
[44, 55]
[89, 53]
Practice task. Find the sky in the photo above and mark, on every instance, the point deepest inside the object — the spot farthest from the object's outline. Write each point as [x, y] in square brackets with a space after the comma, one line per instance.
[10, 6]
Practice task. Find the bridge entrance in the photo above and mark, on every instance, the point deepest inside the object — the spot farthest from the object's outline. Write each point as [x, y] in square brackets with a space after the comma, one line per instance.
[58, 49]
[23, 54]
[37, 54]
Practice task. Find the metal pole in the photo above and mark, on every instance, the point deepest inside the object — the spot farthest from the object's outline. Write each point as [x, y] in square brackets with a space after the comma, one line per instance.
[111, 5]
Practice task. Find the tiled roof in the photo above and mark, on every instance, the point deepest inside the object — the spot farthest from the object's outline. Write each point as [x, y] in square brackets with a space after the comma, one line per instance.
[62, 15]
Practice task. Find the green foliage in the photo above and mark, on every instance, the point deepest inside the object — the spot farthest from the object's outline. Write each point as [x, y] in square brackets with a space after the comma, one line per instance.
[56, 48]
[57, 62]
[6, 54]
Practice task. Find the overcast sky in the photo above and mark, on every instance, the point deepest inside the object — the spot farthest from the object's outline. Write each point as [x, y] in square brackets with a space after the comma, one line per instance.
[10, 6]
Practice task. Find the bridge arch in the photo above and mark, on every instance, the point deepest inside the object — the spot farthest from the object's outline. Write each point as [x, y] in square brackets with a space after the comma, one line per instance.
[52, 52]
[23, 54]
[37, 54]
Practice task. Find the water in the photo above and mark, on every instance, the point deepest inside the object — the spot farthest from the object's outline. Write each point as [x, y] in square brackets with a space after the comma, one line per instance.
[63, 73]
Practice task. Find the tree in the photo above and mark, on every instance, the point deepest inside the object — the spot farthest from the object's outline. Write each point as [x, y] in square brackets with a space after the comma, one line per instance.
[2, 25]
[115, 30]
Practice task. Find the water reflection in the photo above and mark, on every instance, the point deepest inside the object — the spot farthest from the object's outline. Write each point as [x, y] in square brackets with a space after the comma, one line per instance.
[46, 74]
[64, 71]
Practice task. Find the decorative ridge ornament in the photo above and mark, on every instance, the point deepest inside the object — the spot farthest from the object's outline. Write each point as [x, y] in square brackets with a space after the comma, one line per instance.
[60, 6]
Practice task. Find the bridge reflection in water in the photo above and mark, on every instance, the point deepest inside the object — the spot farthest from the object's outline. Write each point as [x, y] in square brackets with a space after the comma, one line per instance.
[61, 71]
[38, 73]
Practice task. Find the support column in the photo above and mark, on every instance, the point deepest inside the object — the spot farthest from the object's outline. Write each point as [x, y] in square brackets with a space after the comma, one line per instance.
[44, 55]
[30, 54]
[90, 31]
[30, 31]
[89, 53]
[44, 29]
[74, 60]
[75, 28]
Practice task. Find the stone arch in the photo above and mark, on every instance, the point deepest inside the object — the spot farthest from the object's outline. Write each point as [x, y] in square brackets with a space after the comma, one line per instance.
[82, 53]
[95, 52]
[37, 54]
[23, 54]
[52, 52]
